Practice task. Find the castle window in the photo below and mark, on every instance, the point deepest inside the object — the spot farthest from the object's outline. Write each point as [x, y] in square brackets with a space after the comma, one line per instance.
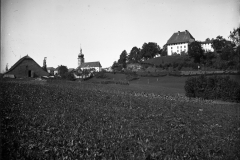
[184, 46]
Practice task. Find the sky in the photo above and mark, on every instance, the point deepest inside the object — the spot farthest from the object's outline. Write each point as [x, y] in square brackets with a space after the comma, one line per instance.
[104, 28]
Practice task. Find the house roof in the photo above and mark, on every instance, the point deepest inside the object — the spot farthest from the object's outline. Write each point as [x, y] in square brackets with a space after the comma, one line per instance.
[206, 42]
[181, 37]
[50, 68]
[70, 69]
[90, 64]
[20, 61]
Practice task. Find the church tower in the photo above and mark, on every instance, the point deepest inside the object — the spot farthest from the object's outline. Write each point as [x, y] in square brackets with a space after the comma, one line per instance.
[80, 58]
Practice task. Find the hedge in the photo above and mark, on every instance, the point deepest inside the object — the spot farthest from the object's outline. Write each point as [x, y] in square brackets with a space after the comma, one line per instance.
[213, 87]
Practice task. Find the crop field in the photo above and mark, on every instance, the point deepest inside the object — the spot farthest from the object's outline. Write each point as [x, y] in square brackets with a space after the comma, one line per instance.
[73, 120]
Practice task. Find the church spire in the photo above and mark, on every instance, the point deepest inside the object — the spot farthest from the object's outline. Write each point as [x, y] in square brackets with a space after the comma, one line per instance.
[80, 50]
[80, 57]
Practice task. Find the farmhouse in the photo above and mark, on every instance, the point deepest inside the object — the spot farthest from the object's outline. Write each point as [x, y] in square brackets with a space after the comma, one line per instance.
[26, 67]
[88, 65]
[178, 42]
[50, 70]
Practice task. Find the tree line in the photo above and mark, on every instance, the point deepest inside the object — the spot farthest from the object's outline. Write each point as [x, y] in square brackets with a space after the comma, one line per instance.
[149, 50]
[226, 54]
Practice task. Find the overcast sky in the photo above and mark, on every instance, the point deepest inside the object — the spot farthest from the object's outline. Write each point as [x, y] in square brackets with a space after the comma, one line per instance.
[104, 28]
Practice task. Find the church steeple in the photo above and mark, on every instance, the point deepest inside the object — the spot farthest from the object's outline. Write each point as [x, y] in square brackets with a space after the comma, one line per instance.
[80, 57]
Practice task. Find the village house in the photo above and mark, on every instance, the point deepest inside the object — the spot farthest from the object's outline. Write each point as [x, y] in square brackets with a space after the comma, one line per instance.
[50, 70]
[26, 67]
[108, 69]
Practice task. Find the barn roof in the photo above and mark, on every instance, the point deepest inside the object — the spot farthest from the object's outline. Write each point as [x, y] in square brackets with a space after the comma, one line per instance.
[90, 64]
[20, 61]
[181, 37]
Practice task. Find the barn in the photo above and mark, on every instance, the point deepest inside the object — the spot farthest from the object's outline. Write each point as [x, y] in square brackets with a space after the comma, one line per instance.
[26, 67]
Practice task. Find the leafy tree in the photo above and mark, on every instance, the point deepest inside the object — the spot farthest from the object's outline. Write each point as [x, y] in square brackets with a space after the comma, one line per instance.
[163, 51]
[62, 70]
[235, 36]
[183, 53]
[6, 67]
[209, 56]
[149, 50]
[123, 59]
[219, 43]
[175, 54]
[227, 53]
[134, 55]
[116, 66]
[195, 51]
[207, 39]
[44, 67]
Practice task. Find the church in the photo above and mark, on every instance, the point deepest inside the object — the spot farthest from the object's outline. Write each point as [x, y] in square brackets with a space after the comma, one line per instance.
[88, 65]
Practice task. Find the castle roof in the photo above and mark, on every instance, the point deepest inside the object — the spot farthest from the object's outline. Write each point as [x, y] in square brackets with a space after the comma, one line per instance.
[181, 37]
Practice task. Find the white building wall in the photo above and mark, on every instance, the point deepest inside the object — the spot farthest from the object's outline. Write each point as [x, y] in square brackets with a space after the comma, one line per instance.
[98, 69]
[177, 48]
[207, 47]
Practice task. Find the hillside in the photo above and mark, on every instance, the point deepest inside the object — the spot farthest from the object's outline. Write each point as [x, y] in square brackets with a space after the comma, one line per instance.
[165, 60]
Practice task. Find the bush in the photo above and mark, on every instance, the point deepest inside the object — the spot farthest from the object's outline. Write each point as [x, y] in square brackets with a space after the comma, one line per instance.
[100, 75]
[216, 87]
[69, 76]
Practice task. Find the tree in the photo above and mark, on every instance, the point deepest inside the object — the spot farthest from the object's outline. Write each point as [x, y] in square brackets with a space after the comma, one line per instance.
[123, 59]
[207, 39]
[149, 50]
[116, 66]
[44, 67]
[209, 56]
[235, 36]
[134, 55]
[227, 53]
[62, 70]
[163, 51]
[218, 44]
[195, 51]
[7, 67]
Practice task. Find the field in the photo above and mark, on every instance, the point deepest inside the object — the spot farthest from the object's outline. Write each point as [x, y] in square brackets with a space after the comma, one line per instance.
[81, 120]
[161, 85]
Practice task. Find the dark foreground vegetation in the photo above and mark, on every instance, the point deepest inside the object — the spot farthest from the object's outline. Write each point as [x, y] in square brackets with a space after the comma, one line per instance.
[71, 120]
[214, 87]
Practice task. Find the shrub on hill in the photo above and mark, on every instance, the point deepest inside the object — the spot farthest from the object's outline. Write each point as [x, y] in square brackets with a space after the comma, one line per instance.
[100, 75]
[214, 87]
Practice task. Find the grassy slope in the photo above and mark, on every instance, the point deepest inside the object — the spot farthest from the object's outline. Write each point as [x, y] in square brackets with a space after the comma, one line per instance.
[164, 85]
[165, 60]
[84, 121]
